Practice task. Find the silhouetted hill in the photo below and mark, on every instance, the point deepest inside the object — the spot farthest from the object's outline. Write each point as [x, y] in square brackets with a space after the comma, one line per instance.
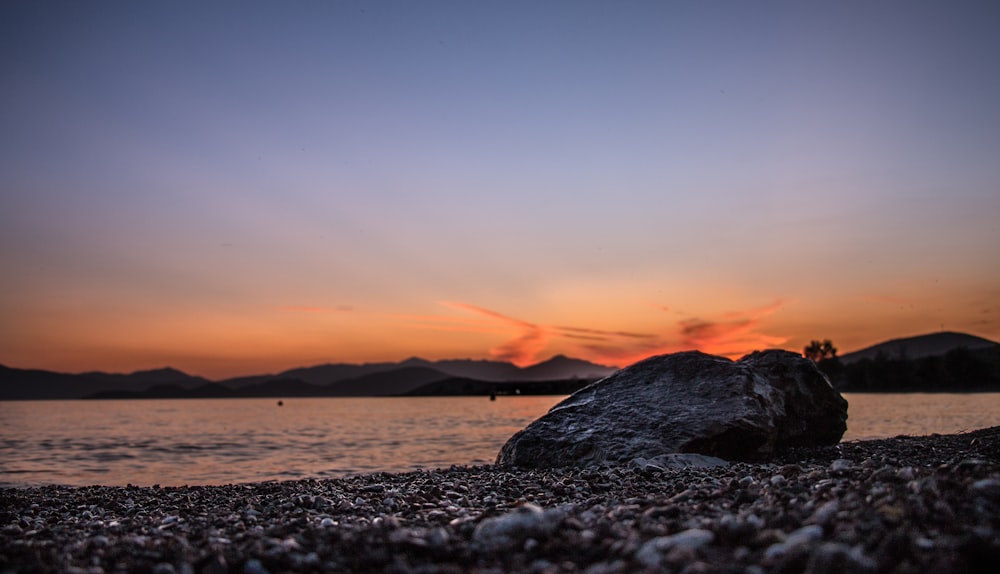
[959, 370]
[387, 383]
[29, 384]
[930, 345]
[315, 375]
[936, 362]
[561, 367]
[162, 376]
[558, 367]
[331, 373]
[482, 370]
[343, 379]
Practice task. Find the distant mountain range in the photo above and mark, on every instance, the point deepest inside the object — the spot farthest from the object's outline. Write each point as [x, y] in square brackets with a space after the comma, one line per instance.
[553, 376]
[414, 376]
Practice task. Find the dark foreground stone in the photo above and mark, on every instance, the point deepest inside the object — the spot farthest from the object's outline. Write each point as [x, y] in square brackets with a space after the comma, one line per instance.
[686, 402]
[927, 504]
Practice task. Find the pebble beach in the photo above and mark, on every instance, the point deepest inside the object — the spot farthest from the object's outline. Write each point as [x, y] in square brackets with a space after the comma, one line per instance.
[905, 504]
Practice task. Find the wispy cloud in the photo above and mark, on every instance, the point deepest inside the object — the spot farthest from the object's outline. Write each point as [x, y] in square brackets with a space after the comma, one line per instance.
[621, 353]
[524, 348]
[532, 338]
[599, 334]
[732, 334]
[737, 332]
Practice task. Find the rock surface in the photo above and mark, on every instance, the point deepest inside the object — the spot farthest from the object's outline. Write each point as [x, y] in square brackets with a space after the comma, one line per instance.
[686, 402]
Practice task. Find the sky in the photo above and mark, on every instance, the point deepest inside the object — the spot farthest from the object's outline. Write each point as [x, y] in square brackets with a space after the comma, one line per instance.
[243, 187]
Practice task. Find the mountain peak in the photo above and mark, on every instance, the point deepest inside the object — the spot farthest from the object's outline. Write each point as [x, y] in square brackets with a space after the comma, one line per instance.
[563, 360]
[161, 371]
[415, 362]
[563, 367]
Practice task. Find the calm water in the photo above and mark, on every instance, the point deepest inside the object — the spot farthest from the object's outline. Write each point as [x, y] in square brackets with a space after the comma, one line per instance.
[217, 441]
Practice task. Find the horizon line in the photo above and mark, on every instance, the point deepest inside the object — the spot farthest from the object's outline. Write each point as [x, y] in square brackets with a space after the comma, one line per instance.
[730, 356]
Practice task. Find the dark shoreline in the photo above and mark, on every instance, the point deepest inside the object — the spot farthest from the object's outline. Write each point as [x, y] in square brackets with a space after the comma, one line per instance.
[906, 504]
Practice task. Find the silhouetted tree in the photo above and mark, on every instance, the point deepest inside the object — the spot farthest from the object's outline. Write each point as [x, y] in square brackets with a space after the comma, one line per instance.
[816, 351]
[824, 354]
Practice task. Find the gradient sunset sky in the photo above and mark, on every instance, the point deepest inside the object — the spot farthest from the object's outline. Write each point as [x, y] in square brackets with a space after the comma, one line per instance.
[242, 187]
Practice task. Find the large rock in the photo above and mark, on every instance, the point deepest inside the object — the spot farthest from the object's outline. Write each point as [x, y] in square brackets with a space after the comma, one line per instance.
[686, 402]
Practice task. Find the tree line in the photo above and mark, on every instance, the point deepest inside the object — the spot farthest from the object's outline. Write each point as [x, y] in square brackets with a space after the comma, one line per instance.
[958, 370]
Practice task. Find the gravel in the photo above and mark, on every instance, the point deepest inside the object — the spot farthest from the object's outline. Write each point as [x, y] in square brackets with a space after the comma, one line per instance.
[907, 504]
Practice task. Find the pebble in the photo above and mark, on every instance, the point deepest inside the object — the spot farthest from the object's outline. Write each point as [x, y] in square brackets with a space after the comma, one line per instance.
[804, 535]
[794, 543]
[254, 566]
[834, 558]
[651, 553]
[987, 487]
[513, 528]
[841, 465]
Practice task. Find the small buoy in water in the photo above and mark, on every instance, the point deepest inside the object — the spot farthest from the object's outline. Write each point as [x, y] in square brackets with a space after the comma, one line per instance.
[281, 403]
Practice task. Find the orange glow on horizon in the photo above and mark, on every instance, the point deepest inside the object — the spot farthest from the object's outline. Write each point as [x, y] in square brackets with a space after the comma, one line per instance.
[219, 344]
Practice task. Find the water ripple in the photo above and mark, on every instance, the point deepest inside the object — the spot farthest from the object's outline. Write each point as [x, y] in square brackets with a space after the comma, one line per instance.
[222, 441]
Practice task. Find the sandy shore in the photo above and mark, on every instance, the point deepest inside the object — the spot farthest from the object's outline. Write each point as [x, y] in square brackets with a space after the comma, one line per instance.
[924, 504]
